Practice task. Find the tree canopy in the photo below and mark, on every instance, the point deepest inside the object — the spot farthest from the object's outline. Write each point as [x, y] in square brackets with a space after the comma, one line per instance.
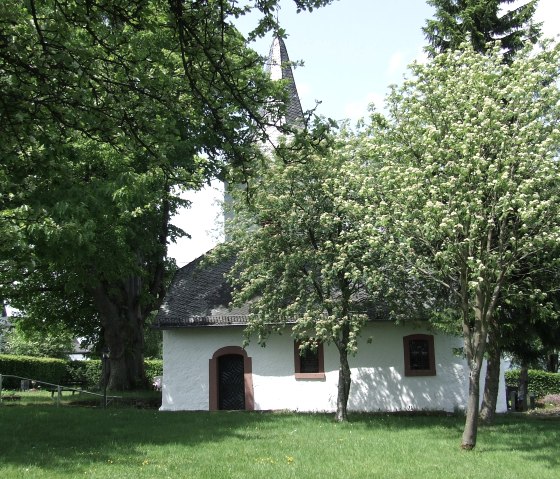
[109, 109]
[481, 22]
[470, 148]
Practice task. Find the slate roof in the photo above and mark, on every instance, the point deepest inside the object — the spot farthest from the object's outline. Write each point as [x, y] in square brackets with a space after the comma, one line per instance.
[199, 295]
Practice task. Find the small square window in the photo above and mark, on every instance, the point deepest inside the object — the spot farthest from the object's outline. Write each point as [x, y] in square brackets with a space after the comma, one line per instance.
[419, 355]
[309, 364]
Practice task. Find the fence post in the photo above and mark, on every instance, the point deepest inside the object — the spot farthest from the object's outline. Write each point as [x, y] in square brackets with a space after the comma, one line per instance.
[0, 389]
[58, 396]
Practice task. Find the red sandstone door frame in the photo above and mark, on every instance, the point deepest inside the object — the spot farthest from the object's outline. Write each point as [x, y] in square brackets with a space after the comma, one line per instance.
[247, 377]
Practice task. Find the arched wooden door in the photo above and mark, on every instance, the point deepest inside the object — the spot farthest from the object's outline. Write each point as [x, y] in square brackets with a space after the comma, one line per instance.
[231, 380]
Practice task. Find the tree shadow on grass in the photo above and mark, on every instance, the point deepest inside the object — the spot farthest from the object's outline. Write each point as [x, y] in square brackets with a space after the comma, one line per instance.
[68, 439]
[533, 438]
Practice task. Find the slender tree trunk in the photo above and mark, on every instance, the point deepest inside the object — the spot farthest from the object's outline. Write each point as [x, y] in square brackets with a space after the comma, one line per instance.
[344, 381]
[491, 381]
[552, 363]
[475, 337]
[523, 386]
[470, 432]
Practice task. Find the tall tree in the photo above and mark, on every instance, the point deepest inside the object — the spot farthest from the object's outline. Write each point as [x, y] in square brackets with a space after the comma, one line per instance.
[299, 259]
[107, 107]
[481, 22]
[471, 183]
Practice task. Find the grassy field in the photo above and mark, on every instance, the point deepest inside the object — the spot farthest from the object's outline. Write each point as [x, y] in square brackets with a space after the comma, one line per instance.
[39, 441]
[69, 398]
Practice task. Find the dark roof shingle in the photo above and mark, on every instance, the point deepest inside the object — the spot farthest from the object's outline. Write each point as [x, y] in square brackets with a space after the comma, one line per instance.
[199, 295]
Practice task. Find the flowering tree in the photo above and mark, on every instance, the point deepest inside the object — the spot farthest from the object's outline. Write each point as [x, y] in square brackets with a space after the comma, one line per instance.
[470, 183]
[300, 257]
[481, 22]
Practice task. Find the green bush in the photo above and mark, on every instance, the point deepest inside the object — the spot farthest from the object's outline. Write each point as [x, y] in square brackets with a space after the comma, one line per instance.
[541, 383]
[154, 367]
[37, 343]
[42, 369]
[87, 372]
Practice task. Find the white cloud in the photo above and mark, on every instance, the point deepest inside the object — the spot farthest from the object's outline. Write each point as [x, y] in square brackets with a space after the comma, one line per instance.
[548, 12]
[421, 56]
[359, 109]
[396, 63]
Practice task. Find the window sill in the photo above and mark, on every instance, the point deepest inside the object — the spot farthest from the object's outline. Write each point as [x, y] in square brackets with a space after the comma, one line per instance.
[309, 375]
[422, 372]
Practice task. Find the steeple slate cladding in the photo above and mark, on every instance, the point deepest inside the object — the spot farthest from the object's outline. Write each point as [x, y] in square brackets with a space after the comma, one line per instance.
[279, 67]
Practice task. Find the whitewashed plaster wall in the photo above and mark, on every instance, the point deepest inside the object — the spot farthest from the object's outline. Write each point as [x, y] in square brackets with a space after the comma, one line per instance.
[378, 380]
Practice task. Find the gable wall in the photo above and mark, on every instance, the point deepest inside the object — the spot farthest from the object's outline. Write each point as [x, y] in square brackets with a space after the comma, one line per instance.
[378, 380]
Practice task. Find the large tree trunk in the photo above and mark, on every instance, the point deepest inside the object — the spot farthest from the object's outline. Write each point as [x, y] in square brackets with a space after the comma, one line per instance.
[491, 381]
[122, 323]
[124, 336]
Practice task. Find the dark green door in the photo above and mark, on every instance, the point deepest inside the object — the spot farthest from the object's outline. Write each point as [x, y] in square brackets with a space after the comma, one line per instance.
[231, 384]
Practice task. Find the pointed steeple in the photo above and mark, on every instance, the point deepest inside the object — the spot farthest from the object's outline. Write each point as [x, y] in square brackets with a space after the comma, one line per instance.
[279, 68]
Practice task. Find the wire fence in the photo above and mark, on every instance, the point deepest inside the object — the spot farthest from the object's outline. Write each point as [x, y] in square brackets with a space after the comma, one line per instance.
[58, 388]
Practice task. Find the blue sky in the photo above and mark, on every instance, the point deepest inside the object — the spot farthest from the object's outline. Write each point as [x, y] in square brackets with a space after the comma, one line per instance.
[352, 51]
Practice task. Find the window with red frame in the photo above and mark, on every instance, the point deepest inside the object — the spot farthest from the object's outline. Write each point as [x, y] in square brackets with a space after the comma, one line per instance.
[419, 355]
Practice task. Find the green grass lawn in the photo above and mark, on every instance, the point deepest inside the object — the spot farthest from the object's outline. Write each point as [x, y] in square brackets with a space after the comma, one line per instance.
[69, 398]
[39, 441]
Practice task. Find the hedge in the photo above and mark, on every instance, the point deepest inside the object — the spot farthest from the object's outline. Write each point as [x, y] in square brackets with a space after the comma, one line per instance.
[44, 369]
[87, 372]
[60, 371]
[541, 383]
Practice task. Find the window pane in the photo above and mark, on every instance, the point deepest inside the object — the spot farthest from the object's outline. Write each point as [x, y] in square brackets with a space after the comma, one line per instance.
[309, 362]
[419, 354]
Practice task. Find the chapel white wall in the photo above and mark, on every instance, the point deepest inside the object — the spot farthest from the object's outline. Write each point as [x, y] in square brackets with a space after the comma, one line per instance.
[378, 379]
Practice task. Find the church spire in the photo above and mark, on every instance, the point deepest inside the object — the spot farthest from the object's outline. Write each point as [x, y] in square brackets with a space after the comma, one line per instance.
[279, 68]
